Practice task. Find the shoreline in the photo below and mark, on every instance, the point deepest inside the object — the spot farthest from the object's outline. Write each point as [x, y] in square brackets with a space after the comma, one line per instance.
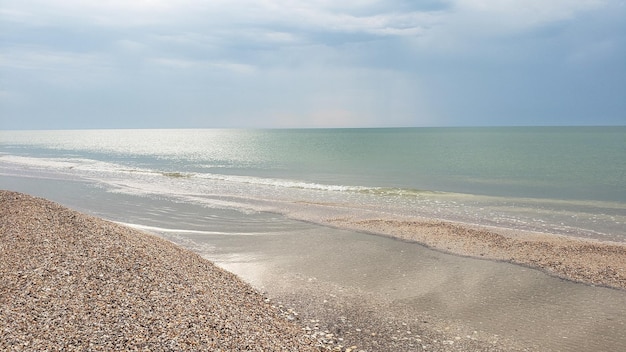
[79, 282]
[586, 261]
[76, 281]
[325, 313]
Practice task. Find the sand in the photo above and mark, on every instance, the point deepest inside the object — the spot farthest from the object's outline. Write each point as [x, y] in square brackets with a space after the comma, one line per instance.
[76, 282]
[354, 285]
[580, 260]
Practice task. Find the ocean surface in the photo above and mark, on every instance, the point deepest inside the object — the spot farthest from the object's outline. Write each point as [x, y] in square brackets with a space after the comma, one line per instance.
[562, 180]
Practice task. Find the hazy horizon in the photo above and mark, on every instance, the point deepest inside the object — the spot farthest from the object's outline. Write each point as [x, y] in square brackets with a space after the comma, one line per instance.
[318, 128]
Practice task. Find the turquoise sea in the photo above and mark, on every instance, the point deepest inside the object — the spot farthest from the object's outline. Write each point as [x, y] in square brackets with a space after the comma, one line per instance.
[563, 180]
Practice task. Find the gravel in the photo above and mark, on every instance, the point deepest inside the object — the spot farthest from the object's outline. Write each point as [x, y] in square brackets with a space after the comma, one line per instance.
[75, 282]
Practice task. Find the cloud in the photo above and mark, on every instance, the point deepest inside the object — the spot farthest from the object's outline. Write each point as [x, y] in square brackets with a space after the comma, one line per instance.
[313, 15]
[323, 118]
[55, 67]
[112, 13]
[267, 25]
[526, 13]
[467, 23]
[318, 62]
[592, 53]
[385, 23]
[184, 64]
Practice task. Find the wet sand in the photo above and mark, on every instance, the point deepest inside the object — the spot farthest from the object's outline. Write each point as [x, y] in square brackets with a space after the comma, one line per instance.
[581, 260]
[383, 294]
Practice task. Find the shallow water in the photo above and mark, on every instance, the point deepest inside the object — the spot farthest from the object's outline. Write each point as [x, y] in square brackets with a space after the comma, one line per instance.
[563, 180]
[497, 298]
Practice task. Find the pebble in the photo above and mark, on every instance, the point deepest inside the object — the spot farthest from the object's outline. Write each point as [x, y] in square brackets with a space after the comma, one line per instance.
[77, 282]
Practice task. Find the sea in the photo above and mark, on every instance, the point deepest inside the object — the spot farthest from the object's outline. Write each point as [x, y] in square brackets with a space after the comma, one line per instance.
[261, 204]
[560, 180]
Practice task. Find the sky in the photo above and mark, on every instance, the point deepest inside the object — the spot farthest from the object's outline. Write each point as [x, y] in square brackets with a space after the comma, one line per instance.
[68, 64]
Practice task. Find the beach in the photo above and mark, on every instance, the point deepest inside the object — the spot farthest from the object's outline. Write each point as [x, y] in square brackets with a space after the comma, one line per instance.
[76, 282]
[582, 260]
[73, 281]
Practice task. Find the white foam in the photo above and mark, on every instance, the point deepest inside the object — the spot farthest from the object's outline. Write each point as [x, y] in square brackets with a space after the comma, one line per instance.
[183, 231]
[284, 183]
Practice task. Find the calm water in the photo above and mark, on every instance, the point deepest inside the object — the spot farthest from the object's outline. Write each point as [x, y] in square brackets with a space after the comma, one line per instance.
[229, 195]
[566, 180]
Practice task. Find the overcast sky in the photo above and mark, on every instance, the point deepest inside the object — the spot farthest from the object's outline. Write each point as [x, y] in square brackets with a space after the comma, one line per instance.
[325, 63]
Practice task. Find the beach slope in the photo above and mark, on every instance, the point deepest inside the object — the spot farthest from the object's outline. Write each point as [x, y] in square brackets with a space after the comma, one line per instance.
[76, 282]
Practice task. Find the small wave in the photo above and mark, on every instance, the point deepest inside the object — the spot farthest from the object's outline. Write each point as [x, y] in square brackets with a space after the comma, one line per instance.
[398, 191]
[47, 163]
[65, 163]
[175, 174]
[84, 164]
[181, 231]
[107, 168]
[282, 183]
[297, 184]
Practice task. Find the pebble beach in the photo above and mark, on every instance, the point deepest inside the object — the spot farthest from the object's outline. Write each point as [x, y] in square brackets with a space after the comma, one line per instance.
[75, 282]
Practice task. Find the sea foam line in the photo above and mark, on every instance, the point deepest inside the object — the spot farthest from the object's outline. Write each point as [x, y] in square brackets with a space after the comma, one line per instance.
[181, 231]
